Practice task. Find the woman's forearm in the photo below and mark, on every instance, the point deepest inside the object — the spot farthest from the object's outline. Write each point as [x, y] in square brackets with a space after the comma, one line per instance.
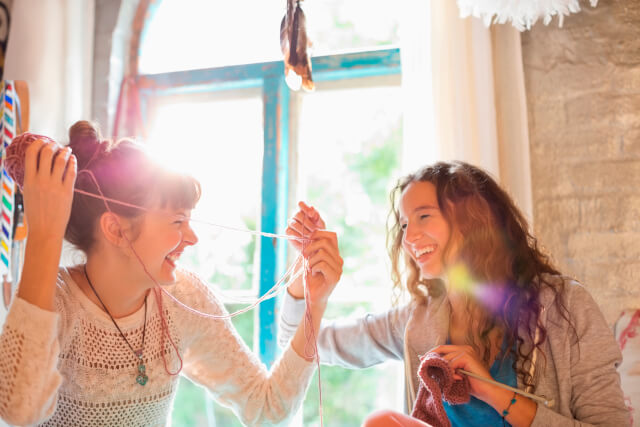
[39, 272]
[299, 340]
[520, 413]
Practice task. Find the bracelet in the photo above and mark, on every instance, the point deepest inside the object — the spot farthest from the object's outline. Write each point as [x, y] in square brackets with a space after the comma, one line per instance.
[506, 411]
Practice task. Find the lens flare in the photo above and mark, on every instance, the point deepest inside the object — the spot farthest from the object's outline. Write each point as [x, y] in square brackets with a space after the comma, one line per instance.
[490, 295]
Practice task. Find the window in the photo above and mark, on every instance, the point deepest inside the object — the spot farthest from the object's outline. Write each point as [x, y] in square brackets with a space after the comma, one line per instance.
[346, 169]
[222, 109]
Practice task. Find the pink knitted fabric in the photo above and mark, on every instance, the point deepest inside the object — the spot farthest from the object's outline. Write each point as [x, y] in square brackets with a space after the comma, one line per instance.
[436, 383]
[14, 161]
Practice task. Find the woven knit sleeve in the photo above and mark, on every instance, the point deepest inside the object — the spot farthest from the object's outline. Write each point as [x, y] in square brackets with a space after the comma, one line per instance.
[29, 379]
[351, 342]
[216, 357]
[593, 392]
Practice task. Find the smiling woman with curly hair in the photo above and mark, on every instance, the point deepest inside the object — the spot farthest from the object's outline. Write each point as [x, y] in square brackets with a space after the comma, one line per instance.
[485, 299]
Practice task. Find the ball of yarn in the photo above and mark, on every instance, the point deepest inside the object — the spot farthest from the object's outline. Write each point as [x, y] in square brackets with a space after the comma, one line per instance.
[14, 160]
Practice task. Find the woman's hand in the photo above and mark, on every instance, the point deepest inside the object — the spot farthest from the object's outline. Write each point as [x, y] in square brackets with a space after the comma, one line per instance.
[324, 265]
[465, 357]
[521, 413]
[302, 225]
[48, 194]
[49, 179]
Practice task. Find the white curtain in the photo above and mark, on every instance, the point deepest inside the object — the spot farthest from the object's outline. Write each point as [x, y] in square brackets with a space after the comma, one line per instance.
[51, 48]
[464, 93]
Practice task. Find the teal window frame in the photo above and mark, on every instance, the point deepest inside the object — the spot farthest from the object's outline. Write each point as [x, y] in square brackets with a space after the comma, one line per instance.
[276, 96]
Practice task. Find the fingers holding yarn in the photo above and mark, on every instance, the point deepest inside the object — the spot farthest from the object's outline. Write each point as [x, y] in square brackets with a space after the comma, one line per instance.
[312, 214]
[59, 163]
[47, 172]
[324, 245]
[467, 358]
[24, 154]
[70, 173]
[303, 223]
[307, 219]
[29, 167]
[45, 160]
[329, 270]
[324, 265]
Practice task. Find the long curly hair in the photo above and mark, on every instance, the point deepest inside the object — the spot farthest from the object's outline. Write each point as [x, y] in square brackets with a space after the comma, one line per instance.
[497, 250]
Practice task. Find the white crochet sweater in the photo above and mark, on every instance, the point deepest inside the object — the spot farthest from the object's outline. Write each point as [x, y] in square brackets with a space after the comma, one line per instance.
[72, 367]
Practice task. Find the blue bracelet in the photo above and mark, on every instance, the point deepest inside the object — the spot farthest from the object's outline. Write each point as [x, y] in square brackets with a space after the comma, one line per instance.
[506, 411]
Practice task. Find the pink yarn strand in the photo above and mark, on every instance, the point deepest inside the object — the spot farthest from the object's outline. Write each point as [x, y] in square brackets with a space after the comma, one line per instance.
[309, 330]
[227, 227]
[280, 284]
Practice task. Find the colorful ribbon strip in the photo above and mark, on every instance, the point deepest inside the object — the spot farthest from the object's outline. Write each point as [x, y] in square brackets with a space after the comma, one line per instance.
[7, 186]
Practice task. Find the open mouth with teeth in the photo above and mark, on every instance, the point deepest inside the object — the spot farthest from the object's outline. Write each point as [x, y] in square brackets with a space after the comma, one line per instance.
[425, 251]
[172, 258]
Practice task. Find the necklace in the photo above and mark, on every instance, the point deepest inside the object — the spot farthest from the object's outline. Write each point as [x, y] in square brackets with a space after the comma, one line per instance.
[142, 377]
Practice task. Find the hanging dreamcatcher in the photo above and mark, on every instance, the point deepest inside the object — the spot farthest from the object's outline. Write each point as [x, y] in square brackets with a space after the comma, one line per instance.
[294, 43]
[523, 14]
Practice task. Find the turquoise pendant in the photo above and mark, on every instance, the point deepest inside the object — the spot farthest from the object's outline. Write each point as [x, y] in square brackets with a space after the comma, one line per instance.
[142, 377]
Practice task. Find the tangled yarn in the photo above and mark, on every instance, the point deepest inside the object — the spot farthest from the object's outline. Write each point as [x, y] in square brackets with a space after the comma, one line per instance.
[14, 160]
[436, 383]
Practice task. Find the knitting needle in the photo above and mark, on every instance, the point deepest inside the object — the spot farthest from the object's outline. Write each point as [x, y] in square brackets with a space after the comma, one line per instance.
[544, 401]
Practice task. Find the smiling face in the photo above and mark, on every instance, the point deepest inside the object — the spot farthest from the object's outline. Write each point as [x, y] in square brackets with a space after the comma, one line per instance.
[426, 233]
[163, 236]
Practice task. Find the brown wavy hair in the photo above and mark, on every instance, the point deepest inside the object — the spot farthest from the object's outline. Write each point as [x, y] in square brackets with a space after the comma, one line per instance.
[125, 172]
[496, 247]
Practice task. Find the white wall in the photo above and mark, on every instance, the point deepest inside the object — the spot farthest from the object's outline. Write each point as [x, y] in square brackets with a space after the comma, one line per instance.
[51, 47]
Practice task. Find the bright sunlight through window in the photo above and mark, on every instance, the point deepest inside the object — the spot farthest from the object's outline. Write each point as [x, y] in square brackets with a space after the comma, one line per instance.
[345, 148]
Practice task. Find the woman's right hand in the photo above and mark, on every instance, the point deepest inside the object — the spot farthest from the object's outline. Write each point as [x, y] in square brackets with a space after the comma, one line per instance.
[48, 189]
[301, 225]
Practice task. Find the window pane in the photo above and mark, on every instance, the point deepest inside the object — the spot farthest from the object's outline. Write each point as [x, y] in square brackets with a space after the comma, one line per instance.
[370, 389]
[338, 25]
[185, 35]
[349, 153]
[206, 33]
[204, 137]
[346, 171]
[200, 133]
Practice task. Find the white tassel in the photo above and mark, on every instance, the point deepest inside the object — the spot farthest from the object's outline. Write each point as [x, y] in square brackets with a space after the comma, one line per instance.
[523, 14]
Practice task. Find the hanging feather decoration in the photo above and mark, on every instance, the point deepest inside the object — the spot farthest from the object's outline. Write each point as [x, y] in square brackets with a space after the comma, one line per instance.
[523, 14]
[294, 44]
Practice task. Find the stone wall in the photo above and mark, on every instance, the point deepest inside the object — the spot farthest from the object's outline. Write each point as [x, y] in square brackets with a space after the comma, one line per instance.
[583, 96]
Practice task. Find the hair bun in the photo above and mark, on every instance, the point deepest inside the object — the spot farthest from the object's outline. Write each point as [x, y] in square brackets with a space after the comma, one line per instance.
[83, 131]
[85, 142]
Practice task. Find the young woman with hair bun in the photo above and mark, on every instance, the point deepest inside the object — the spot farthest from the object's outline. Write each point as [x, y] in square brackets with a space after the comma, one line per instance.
[95, 344]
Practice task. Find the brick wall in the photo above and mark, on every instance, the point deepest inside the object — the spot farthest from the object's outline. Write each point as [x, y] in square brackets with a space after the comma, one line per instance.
[583, 96]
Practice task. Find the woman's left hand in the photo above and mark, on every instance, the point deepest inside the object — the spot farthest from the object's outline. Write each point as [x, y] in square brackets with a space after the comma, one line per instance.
[465, 357]
[324, 265]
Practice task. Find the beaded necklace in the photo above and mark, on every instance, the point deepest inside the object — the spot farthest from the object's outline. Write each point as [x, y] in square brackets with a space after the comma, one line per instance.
[141, 377]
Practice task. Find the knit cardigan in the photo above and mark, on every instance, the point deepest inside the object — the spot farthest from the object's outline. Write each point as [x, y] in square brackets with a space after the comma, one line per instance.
[72, 367]
[579, 377]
